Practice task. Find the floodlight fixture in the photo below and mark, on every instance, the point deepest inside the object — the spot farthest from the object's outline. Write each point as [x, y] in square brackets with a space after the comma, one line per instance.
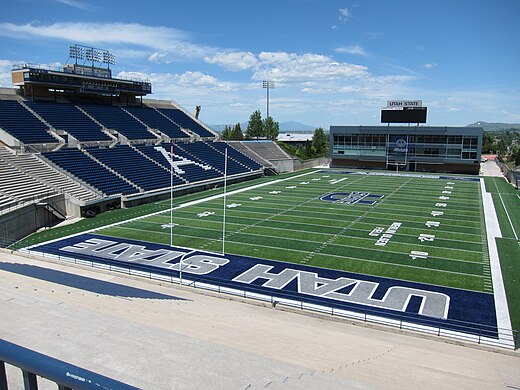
[268, 85]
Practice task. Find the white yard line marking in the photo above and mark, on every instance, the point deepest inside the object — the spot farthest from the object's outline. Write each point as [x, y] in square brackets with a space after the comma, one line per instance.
[194, 202]
[508, 217]
[493, 232]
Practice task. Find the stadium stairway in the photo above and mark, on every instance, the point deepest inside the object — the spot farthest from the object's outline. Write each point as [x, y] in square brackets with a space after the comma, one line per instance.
[38, 169]
[17, 185]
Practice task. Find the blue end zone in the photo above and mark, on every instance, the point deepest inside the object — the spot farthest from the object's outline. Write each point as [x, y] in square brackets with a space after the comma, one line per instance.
[436, 306]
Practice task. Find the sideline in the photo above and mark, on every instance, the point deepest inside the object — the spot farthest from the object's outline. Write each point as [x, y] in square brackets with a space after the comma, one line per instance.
[492, 232]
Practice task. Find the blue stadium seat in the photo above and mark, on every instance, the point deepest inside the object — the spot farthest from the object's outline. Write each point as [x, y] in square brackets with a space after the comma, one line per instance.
[193, 172]
[134, 166]
[69, 118]
[212, 157]
[116, 118]
[156, 120]
[22, 124]
[85, 168]
[235, 155]
[186, 122]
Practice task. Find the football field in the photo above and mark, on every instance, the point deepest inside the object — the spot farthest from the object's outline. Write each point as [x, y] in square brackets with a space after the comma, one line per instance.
[427, 229]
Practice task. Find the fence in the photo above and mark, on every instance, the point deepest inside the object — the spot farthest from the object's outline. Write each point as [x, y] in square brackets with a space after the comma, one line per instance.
[512, 177]
[65, 375]
[453, 329]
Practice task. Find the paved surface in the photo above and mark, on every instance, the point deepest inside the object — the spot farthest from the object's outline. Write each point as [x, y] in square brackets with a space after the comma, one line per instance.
[164, 337]
[490, 168]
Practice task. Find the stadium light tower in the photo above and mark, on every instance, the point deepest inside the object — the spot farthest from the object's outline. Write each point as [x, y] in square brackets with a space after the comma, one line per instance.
[268, 85]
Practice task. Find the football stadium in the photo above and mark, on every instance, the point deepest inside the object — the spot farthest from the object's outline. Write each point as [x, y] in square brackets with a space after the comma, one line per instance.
[398, 236]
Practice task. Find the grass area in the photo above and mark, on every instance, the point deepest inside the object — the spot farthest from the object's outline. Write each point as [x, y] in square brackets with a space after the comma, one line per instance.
[507, 205]
[287, 221]
[509, 251]
[114, 216]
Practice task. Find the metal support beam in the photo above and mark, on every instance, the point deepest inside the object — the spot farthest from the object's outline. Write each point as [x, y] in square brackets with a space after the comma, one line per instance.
[3, 376]
[30, 382]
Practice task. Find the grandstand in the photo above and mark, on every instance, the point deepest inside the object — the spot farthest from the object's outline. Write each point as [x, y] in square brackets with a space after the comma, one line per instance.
[100, 145]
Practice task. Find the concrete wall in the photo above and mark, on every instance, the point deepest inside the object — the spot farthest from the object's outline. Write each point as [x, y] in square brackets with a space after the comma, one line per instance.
[292, 165]
[28, 219]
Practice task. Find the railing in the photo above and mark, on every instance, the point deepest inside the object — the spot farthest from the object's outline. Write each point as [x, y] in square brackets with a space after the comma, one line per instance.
[27, 201]
[65, 375]
[454, 329]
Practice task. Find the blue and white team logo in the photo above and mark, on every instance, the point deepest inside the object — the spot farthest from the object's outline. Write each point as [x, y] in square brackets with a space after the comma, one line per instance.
[400, 146]
[352, 198]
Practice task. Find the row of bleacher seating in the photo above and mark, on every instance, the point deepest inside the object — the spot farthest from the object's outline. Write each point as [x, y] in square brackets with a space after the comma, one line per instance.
[88, 170]
[132, 122]
[33, 166]
[17, 187]
[147, 168]
[156, 120]
[119, 120]
[185, 121]
[69, 118]
[22, 124]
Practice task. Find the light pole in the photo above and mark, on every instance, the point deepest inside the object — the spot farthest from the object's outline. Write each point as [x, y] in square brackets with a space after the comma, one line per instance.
[268, 85]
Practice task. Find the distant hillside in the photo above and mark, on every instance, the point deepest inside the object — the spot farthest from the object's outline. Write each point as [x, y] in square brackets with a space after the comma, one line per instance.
[489, 126]
[295, 127]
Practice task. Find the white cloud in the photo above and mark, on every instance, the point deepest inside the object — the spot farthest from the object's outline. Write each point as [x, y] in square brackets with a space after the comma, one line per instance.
[75, 4]
[132, 34]
[309, 67]
[355, 49]
[5, 72]
[235, 60]
[430, 66]
[344, 14]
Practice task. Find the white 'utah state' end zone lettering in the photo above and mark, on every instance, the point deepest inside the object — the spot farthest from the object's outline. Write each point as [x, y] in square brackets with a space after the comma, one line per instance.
[433, 304]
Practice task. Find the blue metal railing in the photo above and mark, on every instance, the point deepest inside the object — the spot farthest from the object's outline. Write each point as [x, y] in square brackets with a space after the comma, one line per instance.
[65, 375]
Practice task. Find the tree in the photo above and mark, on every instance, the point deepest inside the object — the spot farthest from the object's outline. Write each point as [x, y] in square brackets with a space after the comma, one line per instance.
[320, 143]
[226, 133]
[236, 133]
[515, 155]
[270, 128]
[254, 126]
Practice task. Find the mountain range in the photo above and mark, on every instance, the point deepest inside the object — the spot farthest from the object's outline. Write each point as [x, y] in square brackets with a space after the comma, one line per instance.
[490, 126]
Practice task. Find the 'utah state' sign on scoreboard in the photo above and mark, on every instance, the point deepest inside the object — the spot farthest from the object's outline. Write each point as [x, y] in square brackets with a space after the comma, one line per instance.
[414, 302]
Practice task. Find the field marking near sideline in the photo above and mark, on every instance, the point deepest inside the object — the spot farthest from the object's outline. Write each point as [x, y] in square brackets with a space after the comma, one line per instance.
[331, 235]
[326, 234]
[292, 215]
[322, 233]
[493, 232]
[505, 208]
[183, 205]
[331, 255]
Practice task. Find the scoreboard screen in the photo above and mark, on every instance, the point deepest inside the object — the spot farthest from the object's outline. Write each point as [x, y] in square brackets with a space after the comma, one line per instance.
[406, 115]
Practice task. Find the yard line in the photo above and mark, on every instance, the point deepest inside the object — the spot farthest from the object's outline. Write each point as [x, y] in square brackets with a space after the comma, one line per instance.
[301, 251]
[340, 245]
[329, 226]
[508, 217]
[328, 234]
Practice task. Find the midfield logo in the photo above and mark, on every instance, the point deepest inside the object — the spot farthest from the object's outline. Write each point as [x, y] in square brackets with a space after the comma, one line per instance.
[352, 198]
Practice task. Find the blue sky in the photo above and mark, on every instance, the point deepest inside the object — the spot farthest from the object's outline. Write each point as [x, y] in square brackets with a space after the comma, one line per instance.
[333, 62]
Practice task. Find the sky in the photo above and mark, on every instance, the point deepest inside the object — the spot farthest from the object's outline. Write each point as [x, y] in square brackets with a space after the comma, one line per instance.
[332, 62]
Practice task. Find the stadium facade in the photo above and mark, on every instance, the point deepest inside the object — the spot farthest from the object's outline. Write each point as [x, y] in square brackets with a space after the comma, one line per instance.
[407, 148]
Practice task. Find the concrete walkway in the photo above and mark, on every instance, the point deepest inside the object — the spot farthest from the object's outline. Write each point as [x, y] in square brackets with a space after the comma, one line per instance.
[490, 168]
[164, 337]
